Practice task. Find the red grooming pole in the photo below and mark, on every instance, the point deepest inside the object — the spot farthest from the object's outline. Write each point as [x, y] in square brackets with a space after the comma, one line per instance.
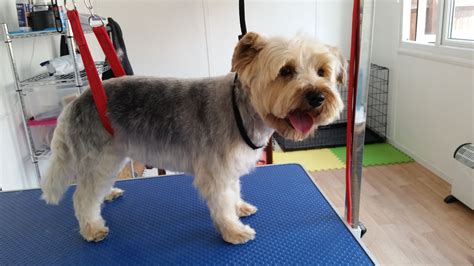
[358, 86]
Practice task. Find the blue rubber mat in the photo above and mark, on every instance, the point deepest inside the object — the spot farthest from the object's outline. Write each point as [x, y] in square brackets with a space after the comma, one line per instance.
[163, 221]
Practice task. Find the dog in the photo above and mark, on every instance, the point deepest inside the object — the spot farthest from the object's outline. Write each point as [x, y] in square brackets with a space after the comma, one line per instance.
[288, 85]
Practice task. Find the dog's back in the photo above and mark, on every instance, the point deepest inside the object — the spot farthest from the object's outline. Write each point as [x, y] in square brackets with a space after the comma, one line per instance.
[155, 120]
[163, 119]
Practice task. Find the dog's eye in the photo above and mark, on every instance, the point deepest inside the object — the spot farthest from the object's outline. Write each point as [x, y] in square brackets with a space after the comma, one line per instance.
[287, 71]
[321, 72]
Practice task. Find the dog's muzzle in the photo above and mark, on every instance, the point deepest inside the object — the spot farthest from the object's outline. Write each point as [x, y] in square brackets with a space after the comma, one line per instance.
[315, 98]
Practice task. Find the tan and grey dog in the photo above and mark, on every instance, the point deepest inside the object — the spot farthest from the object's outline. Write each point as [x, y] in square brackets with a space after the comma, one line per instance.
[189, 125]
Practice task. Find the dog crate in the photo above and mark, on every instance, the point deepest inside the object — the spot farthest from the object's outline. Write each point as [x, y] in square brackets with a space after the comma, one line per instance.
[334, 135]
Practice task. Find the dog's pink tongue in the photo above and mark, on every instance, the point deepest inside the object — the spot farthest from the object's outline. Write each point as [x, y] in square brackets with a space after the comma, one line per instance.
[301, 121]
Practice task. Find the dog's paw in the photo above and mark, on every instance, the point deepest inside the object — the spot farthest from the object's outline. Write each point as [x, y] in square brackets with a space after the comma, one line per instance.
[94, 233]
[245, 209]
[238, 234]
[114, 194]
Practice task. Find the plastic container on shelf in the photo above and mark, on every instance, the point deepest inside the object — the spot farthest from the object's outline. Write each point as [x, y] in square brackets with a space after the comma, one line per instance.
[45, 104]
[42, 132]
[47, 101]
[65, 94]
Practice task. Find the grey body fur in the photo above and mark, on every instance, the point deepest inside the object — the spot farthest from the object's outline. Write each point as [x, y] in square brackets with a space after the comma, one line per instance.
[157, 120]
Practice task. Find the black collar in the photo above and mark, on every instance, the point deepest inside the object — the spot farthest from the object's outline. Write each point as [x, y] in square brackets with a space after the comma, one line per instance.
[238, 119]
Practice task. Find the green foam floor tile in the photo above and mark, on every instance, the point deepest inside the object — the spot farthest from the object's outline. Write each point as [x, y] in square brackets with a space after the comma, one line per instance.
[376, 154]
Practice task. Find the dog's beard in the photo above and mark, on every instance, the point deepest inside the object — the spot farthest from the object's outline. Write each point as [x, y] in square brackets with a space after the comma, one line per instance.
[298, 120]
[300, 124]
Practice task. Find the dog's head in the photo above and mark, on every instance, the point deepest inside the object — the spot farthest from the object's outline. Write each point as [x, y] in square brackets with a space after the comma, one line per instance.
[292, 83]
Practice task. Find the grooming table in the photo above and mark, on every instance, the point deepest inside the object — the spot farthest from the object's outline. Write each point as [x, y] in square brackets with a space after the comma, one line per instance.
[162, 220]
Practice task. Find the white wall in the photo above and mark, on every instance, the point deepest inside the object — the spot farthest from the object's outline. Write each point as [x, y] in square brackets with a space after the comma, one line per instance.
[181, 38]
[271, 18]
[431, 101]
[165, 38]
[188, 38]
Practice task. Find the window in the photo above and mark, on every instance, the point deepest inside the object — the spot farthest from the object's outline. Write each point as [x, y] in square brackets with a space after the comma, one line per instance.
[460, 15]
[423, 21]
[439, 22]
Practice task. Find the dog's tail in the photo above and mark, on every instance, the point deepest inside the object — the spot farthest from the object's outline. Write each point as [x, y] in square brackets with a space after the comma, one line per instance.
[58, 176]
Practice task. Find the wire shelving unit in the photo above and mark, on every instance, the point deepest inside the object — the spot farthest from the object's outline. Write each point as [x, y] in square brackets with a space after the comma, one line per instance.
[77, 78]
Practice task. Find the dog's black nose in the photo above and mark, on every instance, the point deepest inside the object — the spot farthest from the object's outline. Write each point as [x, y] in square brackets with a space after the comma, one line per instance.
[315, 99]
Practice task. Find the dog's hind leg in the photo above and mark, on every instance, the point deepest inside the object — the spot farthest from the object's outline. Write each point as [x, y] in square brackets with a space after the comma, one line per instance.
[222, 199]
[94, 181]
[59, 174]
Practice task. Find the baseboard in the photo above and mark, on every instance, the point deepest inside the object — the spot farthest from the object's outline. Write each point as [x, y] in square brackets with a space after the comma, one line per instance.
[421, 161]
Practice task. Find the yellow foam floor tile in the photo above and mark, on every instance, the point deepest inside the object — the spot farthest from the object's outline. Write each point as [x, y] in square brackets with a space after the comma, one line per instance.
[311, 160]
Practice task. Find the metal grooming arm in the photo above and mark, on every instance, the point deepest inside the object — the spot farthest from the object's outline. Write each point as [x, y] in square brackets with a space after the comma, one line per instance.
[367, 11]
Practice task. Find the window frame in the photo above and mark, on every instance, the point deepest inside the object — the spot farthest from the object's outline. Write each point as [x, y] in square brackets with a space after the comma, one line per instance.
[458, 52]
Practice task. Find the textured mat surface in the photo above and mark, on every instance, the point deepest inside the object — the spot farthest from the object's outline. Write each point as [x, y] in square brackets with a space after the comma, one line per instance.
[376, 154]
[312, 160]
[163, 221]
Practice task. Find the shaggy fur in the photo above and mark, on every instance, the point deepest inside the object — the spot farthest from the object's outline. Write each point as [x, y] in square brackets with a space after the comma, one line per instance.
[188, 125]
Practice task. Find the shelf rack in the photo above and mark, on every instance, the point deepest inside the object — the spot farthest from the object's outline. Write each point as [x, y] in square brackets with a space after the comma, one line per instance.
[68, 79]
[77, 79]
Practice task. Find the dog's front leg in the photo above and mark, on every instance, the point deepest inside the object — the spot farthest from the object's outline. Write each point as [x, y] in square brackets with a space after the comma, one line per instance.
[242, 208]
[222, 199]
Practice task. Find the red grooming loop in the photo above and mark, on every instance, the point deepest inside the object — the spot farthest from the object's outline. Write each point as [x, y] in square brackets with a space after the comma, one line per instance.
[95, 83]
[109, 50]
[352, 90]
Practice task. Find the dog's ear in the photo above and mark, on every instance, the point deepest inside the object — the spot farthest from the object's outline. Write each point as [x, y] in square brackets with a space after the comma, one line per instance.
[341, 71]
[246, 50]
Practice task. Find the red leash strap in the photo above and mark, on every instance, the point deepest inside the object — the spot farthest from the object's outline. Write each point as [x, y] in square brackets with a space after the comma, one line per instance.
[109, 50]
[98, 92]
[352, 88]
